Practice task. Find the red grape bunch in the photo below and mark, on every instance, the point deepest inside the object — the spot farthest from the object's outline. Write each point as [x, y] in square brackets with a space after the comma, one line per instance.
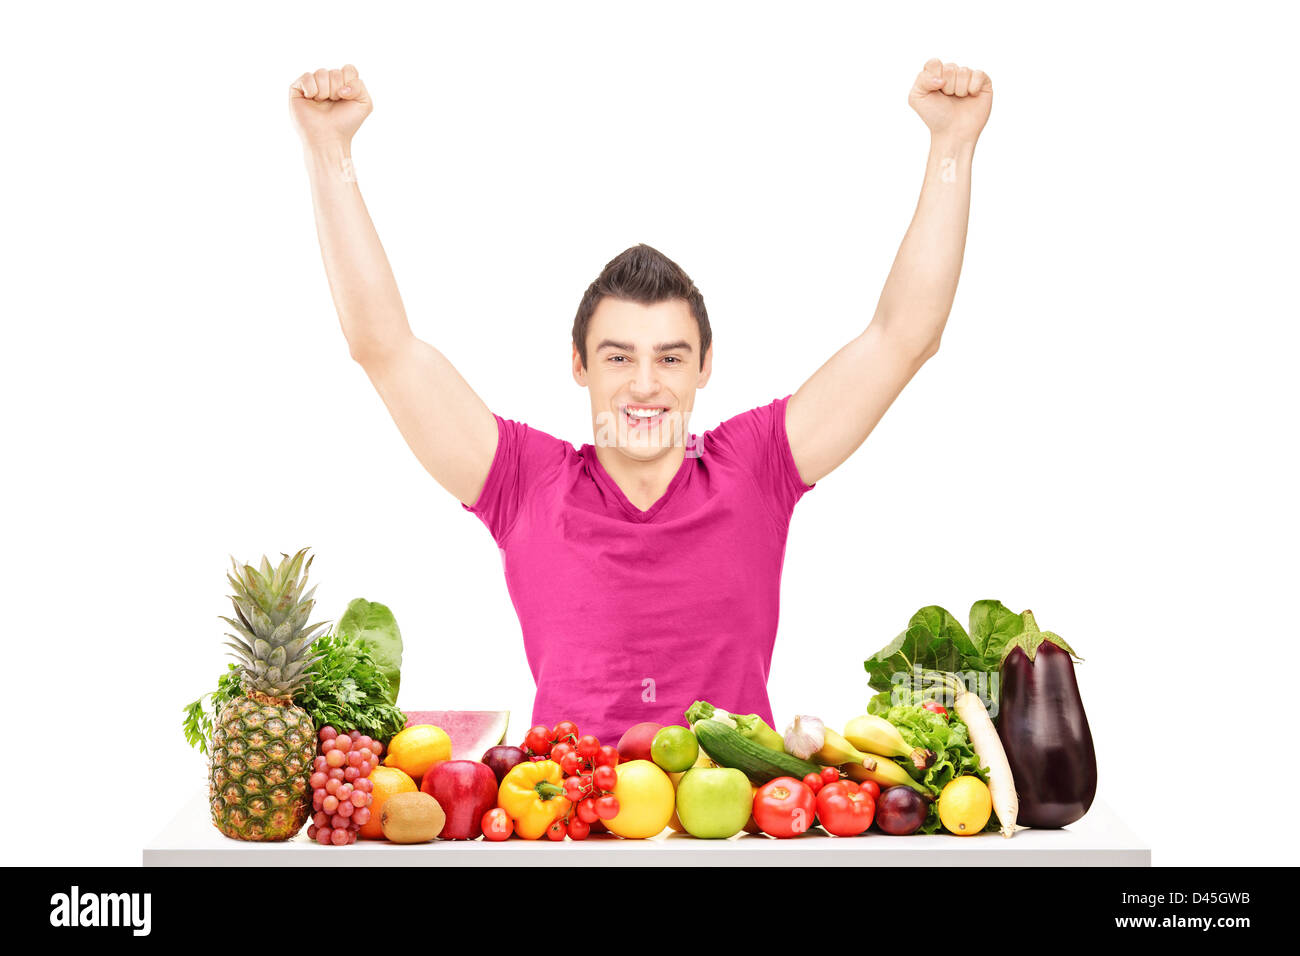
[340, 785]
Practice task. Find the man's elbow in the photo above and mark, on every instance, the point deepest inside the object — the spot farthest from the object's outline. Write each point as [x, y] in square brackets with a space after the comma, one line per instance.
[928, 351]
[365, 352]
[916, 350]
[912, 345]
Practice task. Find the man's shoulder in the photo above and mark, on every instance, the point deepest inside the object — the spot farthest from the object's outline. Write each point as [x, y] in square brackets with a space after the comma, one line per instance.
[531, 444]
[752, 426]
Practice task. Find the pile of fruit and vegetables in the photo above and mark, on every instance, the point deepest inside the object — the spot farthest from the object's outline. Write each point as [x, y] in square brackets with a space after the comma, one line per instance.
[970, 732]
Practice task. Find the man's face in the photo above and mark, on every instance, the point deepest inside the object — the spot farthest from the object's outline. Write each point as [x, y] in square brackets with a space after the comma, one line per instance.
[643, 367]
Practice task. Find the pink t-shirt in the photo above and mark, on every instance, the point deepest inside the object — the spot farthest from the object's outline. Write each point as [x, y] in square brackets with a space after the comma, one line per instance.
[631, 615]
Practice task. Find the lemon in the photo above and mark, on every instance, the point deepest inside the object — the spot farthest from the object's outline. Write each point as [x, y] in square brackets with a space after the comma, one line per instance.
[416, 749]
[965, 806]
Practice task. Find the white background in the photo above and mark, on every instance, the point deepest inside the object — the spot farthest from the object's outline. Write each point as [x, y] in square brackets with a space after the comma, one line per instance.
[1107, 434]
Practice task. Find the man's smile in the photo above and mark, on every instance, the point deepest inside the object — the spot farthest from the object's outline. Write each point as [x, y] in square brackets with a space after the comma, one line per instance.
[643, 416]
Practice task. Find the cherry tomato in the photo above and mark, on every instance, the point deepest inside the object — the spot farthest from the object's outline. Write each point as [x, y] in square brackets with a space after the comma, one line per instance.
[830, 774]
[578, 830]
[935, 708]
[558, 830]
[871, 787]
[566, 730]
[573, 789]
[497, 825]
[559, 749]
[608, 756]
[571, 763]
[588, 747]
[587, 811]
[844, 810]
[814, 782]
[785, 807]
[607, 806]
[538, 740]
[604, 778]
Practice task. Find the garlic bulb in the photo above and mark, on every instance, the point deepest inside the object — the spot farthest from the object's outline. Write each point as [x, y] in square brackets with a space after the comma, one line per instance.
[805, 737]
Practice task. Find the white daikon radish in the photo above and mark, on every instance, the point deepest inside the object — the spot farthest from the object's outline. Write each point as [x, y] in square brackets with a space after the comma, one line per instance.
[988, 747]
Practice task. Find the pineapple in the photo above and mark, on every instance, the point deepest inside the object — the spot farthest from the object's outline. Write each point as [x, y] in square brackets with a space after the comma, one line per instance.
[262, 745]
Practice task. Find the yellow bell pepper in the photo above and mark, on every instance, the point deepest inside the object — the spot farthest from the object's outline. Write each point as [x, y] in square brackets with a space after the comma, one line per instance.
[533, 794]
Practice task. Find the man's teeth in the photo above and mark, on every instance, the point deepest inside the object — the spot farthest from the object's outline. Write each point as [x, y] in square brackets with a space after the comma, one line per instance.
[645, 412]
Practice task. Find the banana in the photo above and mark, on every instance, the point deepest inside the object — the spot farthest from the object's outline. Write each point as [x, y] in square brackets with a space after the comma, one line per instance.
[836, 751]
[876, 735]
[886, 773]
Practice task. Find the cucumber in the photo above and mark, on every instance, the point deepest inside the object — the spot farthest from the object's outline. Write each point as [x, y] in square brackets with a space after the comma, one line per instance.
[727, 748]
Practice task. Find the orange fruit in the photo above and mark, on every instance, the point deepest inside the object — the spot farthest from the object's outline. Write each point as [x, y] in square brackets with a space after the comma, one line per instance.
[416, 749]
[386, 781]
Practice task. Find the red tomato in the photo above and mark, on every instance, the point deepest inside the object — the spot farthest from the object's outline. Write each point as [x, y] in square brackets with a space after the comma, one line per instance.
[844, 810]
[587, 811]
[497, 825]
[608, 756]
[538, 740]
[558, 830]
[830, 774]
[607, 806]
[570, 762]
[785, 807]
[814, 782]
[871, 787]
[566, 730]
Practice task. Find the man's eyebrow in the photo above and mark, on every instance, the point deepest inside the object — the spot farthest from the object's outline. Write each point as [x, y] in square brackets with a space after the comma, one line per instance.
[661, 347]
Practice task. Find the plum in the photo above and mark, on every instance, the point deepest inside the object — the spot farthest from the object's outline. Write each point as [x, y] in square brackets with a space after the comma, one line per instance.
[900, 811]
[502, 758]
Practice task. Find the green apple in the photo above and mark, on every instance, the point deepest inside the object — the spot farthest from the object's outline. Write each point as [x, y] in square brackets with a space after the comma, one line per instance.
[714, 803]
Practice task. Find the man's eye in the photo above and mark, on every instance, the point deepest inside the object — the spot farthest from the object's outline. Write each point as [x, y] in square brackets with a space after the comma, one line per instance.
[672, 359]
[616, 358]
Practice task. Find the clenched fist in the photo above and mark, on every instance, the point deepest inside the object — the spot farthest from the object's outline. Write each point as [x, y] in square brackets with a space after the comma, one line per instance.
[953, 100]
[328, 106]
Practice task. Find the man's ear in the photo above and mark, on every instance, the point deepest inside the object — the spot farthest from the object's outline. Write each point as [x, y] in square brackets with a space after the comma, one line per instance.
[579, 373]
[707, 369]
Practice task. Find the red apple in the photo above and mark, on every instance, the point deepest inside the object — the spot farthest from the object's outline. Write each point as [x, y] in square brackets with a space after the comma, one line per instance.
[465, 789]
[635, 744]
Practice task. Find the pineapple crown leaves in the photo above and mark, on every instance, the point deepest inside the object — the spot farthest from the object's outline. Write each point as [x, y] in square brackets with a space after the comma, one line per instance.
[271, 611]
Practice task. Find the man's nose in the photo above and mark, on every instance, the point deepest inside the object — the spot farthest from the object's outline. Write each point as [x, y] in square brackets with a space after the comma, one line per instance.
[645, 384]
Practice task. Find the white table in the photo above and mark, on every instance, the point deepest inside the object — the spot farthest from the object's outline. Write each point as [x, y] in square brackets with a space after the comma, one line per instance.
[1099, 839]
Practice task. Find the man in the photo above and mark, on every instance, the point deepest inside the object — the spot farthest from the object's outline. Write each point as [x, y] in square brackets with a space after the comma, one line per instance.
[645, 567]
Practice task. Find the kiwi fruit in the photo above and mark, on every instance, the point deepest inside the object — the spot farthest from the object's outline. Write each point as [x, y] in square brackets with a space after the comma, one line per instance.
[411, 818]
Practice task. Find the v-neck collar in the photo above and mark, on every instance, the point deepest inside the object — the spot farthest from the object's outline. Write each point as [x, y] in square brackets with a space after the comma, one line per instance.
[611, 487]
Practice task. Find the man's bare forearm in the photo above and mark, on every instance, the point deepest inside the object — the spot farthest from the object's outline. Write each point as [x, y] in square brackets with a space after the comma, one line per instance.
[922, 284]
[360, 278]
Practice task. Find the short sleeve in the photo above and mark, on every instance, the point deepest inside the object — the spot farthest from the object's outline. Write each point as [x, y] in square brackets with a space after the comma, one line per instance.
[525, 458]
[757, 440]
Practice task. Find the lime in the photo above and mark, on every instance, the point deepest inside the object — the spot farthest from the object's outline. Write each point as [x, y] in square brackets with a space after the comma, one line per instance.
[674, 749]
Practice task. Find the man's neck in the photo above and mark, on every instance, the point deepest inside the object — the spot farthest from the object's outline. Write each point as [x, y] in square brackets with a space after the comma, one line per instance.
[643, 482]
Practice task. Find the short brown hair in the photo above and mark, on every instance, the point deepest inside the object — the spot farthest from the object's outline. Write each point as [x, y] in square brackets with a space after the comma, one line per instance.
[645, 275]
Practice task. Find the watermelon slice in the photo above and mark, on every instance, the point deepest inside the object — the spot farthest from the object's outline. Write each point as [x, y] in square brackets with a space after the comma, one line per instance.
[471, 731]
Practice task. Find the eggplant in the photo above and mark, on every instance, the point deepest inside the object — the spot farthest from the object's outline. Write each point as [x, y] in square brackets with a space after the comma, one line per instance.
[1044, 730]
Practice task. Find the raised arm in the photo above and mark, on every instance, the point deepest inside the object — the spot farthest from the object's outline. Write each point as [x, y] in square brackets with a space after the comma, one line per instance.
[447, 425]
[836, 409]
